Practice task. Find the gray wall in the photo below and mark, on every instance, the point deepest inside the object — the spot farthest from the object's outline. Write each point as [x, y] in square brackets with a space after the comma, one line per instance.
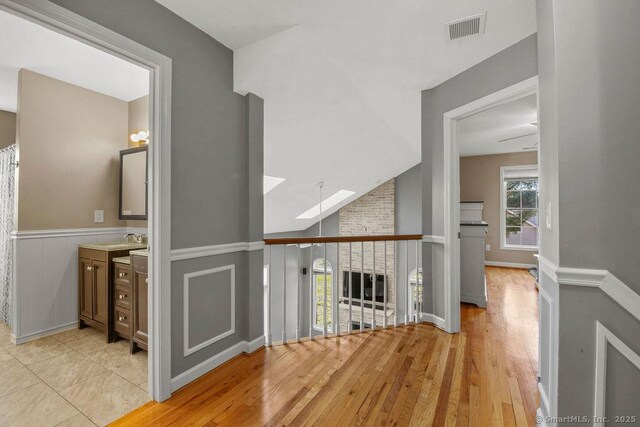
[590, 105]
[409, 201]
[506, 68]
[216, 159]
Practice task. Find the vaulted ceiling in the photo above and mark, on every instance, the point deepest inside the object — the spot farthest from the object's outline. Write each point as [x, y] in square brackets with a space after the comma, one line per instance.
[341, 80]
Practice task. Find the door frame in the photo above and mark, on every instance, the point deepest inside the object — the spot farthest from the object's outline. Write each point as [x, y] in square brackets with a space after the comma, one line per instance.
[452, 190]
[72, 25]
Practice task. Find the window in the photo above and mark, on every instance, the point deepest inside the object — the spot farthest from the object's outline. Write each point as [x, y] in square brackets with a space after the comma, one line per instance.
[519, 208]
[319, 295]
[416, 291]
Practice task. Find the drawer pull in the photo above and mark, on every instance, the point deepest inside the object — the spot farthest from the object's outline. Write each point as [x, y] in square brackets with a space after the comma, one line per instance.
[122, 318]
[89, 268]
[146, 280]
[122, 296]
[122, 274]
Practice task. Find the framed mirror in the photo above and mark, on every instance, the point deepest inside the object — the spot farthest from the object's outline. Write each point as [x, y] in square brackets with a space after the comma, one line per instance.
[133, 183]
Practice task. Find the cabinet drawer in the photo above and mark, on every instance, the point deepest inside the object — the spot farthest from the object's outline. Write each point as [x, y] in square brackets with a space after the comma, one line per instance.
[121, 273]
[122, 296]
[122, 321]
[92, 254]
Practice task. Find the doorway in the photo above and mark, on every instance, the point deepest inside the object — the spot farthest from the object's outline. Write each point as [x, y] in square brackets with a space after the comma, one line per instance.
[452, 189]
[62, 21]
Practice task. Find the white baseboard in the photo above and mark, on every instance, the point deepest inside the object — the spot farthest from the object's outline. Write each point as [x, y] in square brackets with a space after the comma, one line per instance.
[208, 365]
[479, 300]
[508, 264]
[41, 334]
[255, 345]
[435, 320]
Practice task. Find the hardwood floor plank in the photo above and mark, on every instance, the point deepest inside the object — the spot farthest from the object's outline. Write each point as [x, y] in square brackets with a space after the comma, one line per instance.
[409, 375]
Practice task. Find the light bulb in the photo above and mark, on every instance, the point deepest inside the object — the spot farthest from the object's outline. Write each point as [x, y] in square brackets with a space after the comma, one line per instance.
[134, 137]
[142, 135]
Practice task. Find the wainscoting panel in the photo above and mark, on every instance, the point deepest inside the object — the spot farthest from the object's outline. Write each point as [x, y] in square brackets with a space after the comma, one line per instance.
[203, 290]
[596, 369]
[46, 278]
[617, 376]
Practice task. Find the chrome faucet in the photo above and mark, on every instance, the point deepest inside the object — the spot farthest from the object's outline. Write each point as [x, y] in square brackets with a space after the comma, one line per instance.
[136, 238]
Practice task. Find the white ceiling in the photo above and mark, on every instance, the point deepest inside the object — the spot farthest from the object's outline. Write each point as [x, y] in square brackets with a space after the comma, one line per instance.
[24, 44]
[341, 81]
[504, 128]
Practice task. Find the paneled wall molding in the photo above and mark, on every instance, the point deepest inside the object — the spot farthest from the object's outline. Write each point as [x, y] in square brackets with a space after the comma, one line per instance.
[602, 279]
[45, 275]
[433, 239]
[604, 337]
[205, 251]
[232, 321]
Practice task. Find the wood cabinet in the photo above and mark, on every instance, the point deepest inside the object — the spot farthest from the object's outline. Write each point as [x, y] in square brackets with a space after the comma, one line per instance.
[139, 303]
[95, 295]
[122, 300]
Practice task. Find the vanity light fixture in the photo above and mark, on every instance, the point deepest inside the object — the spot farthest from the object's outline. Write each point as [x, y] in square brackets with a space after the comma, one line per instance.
[141, 137]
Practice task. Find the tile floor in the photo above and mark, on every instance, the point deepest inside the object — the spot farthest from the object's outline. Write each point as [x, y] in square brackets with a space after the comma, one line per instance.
[69, 379]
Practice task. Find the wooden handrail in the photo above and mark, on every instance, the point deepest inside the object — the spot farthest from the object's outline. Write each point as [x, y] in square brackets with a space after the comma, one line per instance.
[342, 239]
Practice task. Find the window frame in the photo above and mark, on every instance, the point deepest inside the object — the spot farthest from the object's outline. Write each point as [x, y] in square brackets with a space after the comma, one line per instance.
[516, 172]
[314, 272]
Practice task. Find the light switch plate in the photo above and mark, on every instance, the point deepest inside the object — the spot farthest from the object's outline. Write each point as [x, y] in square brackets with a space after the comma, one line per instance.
[487, 247]
[98, 216]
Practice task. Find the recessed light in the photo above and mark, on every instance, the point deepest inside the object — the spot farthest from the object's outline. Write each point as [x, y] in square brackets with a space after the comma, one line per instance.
[327, 203]
[271, 182]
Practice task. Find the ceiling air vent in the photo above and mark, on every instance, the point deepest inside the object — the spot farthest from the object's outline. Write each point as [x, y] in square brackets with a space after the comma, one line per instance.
[468, 26]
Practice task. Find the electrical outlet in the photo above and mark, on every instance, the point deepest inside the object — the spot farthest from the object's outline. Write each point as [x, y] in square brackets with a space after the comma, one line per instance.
[98, 216]
[487, 247]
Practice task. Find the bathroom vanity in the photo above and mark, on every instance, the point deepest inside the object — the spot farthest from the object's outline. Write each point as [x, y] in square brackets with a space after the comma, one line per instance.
[98, 278]
[130, 300]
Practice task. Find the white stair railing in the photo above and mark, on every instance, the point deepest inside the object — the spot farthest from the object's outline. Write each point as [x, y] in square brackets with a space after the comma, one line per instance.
[326, 269]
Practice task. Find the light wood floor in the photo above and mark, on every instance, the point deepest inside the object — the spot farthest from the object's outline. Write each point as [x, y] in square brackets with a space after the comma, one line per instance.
[414, 375]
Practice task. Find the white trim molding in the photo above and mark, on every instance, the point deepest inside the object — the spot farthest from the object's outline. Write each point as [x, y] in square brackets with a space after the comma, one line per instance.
[199, 370]
[213, 250]
[68, 232]
[232, 321]
[607, 282]
[42, 334]
[433, 239]
[451, 178]
[604, 337]
[508, 264]
[433, 319]
[74, 232]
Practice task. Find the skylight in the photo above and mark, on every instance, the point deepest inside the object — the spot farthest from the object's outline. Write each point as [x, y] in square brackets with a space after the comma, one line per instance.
[327, 204]
[271, 182]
